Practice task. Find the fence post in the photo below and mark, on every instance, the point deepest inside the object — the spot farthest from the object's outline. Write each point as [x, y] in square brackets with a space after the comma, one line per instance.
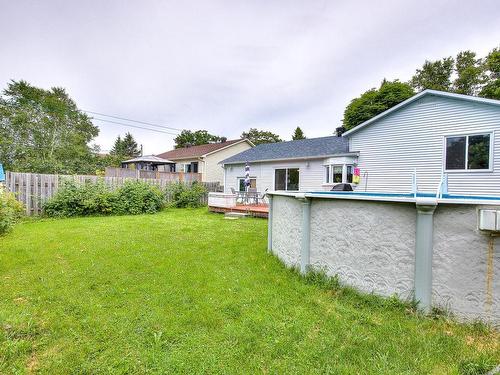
[28, 194]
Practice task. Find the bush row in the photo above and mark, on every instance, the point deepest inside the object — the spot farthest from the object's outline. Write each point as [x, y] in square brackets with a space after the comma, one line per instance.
[181, 195]
[132, 198]
[10, 211]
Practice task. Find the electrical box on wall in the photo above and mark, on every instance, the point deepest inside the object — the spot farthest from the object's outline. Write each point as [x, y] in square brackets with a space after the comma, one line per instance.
[489, 220]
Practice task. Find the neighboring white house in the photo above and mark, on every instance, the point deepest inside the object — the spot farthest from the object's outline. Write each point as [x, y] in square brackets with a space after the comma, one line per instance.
[205, 159]
[305, 165]
[433, 133]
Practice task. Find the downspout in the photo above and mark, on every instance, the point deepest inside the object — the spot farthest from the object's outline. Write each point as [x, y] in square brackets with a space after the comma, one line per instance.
[423, 252]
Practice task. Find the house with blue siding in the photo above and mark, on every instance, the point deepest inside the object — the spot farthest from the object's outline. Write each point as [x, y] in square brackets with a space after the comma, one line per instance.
[433, 139]
[434, 136]
[302, 165]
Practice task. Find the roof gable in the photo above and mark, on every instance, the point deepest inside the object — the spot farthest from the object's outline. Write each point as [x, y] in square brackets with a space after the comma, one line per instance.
[200, 150]
[416, 97]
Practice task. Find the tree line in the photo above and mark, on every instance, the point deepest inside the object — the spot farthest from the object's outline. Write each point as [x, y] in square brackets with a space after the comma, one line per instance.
[43, 131]
[465, 74]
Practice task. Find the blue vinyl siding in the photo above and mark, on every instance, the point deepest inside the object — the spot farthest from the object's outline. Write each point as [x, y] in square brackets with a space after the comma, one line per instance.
[413, 137]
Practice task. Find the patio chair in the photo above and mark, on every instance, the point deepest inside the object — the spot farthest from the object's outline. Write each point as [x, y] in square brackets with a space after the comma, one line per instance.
[252, 195]
[240, 197]
[262, 197]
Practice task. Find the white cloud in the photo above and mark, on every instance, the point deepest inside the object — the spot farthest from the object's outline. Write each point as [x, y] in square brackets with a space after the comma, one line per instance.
[227, 65]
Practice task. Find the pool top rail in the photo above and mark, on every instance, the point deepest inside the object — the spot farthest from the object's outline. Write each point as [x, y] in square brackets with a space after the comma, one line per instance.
[419, 198]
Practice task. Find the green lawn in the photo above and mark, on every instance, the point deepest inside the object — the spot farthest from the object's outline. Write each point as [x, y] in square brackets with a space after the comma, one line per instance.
[185, 291]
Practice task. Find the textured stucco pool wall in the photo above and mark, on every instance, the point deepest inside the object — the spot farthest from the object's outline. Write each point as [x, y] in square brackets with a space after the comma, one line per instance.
[287, 229]
[371, 245]
[462, 280]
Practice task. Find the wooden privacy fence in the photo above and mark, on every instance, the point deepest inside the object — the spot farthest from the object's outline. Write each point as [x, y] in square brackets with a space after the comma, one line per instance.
[33, 189]
[158, 175]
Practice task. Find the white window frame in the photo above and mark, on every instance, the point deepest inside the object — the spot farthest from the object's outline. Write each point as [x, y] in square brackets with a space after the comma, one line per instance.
[330, 175]
[344, 173]
[286, 178]
[342, 177]
[238, 179]
[467, 135]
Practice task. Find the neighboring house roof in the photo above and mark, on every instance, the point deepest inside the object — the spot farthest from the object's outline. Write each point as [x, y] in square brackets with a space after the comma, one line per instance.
[301, 149]
[443, 94]
[148, 159]
[201, 150]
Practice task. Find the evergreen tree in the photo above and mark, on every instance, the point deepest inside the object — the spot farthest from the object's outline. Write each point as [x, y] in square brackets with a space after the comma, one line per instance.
[130, 147]
[126, 147]
[298, 134]
[117, 148]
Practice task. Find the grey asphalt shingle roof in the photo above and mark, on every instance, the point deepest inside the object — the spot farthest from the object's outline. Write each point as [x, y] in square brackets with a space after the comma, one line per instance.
[304, 148]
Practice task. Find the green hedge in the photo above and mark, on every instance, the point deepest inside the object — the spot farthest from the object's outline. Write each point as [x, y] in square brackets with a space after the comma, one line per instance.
[134, 197]
[90, 199]
[180, 195]
[10, 211]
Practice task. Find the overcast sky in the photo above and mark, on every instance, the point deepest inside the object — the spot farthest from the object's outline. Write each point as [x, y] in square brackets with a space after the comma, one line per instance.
[226, 66]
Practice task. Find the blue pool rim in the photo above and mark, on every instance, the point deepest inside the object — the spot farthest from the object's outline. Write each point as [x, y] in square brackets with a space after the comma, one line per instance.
[405, 195]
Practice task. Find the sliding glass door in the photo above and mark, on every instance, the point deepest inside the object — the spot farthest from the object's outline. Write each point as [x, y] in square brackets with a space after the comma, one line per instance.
[286, 179]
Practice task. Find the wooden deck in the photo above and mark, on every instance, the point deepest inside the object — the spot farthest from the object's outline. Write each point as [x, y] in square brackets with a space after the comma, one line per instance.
[252, 210]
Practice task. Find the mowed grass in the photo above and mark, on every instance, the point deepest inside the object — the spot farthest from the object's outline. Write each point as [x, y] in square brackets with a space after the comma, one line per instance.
[185, 291]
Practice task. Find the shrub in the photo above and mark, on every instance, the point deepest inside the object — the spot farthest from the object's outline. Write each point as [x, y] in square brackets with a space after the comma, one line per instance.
[86, 199]
[90, 198]
[181, 195]
[136, 197]
[10, 211]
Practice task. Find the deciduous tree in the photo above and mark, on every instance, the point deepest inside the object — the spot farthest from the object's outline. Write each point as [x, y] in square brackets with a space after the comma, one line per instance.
[260, 136]
[469, 73]
[435, 75]
[44, 131]
[195, 138]
[492, 70]
[375, 101]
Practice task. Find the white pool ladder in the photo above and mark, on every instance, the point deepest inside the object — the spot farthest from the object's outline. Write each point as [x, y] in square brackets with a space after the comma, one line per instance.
[414, 187]
[443, 186]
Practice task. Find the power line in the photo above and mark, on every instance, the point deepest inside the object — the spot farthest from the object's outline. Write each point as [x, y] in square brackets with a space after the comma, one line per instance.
[137, 121]
[133, 126]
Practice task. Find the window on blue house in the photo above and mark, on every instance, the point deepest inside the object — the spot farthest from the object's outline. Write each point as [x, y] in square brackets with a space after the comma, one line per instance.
[337, 173]
[286, 179]
[468, 152]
